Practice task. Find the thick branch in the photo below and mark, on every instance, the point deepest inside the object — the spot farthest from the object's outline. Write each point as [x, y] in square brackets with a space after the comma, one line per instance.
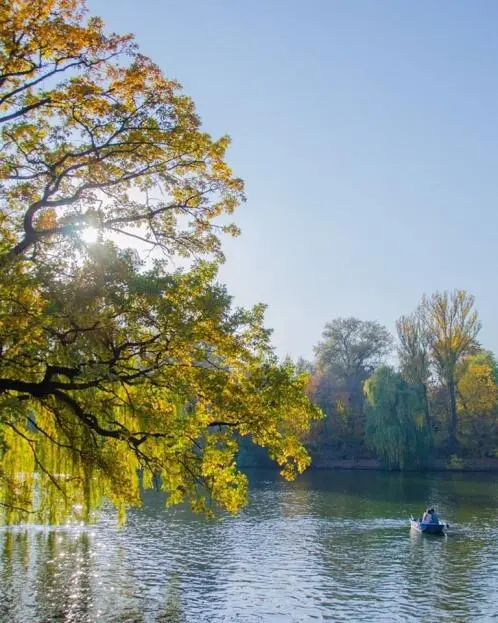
[24, 110]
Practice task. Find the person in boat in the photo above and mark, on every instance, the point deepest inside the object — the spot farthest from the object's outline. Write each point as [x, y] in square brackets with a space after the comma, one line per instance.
[435, 516]
[427, 516]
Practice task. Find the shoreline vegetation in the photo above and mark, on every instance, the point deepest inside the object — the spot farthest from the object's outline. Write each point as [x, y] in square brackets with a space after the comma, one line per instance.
[439, 465]
[472, 465]
[435, 409]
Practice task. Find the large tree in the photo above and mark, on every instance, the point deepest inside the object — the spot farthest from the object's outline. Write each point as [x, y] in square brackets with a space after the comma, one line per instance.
[394, 425]
[349, 352]
[477, 401]
[110, 365]
[353, 348]
[415, 356]
[452, 326]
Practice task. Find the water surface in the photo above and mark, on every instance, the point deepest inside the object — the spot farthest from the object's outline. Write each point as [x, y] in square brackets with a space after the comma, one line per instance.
[333, 546]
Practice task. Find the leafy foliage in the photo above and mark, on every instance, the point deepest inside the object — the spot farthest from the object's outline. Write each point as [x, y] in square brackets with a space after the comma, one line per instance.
[414, 355]
[452, 326]
[414, 348]
[445, 402]
[112, 367]
[477, 388]
[394, 419]
[348, 353]
[477, 402]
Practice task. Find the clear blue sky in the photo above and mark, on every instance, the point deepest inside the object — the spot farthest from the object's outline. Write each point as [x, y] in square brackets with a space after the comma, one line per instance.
[367, 134]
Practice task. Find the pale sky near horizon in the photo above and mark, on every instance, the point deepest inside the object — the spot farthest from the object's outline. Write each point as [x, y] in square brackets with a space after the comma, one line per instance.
[367, 135]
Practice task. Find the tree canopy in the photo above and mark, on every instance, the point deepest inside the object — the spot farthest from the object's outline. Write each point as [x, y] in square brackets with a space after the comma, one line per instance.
[452, 327]
[348, 353]
[394, 423]
[415, 356]
[439, 406]
[117, 369]
[353, 347]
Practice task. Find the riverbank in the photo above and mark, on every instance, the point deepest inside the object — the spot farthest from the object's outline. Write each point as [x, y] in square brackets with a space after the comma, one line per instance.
[439, 465]
[252, 456]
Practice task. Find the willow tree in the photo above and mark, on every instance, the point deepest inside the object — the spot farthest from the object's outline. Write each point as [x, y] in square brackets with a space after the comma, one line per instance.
[394, 424]
[452, 327]
[112, 365]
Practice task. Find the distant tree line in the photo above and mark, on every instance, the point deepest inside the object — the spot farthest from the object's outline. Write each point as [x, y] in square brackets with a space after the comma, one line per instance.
[430, 394]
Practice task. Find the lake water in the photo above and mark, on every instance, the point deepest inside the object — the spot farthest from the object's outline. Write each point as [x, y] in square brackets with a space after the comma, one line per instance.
[333, 546]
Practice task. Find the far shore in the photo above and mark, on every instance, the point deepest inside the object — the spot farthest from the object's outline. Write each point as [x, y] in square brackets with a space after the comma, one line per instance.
[439, 465]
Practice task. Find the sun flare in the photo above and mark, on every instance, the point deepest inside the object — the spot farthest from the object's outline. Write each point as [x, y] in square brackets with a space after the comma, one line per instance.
[90, 235]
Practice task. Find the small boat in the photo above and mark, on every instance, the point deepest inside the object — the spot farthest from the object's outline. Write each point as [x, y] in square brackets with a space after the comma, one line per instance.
[428, 527]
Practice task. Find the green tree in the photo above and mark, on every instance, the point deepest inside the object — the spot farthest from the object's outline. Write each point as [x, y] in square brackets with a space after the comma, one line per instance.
[110, 366]
[394, 425]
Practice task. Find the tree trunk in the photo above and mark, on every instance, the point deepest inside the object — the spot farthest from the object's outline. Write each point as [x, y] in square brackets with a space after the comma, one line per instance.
[428, 419]
[357, 421]
[428, 425]
[452, 424]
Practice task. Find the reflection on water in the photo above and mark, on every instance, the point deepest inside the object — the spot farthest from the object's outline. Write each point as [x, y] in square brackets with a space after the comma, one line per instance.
[333, 546]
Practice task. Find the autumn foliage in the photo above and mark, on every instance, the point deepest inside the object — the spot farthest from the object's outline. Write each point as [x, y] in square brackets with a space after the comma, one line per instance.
[116, 369]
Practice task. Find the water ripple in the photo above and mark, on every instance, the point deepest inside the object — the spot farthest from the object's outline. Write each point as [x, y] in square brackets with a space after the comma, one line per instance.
[300, 552]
